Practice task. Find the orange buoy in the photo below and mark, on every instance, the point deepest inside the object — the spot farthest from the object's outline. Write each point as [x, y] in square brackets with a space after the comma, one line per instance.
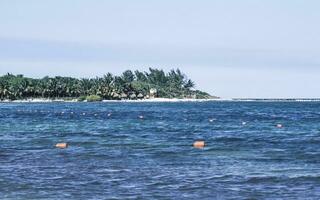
[199, 144]
[62, 145]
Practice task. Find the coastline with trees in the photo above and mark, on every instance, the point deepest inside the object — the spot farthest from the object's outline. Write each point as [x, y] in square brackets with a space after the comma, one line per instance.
[130, 85]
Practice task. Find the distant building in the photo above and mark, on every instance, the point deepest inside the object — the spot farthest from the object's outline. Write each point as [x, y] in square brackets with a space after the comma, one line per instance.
[124, 96]
[133, 96]
[153, 92]
[140, 96]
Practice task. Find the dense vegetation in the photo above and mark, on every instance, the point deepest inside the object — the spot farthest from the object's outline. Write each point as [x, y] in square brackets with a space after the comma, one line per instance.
[129, 85]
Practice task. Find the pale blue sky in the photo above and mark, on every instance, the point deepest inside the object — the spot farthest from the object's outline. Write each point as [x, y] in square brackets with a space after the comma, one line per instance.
[231, 48]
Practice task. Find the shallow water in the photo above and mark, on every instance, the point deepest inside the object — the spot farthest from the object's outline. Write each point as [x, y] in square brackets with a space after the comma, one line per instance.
[115, 155]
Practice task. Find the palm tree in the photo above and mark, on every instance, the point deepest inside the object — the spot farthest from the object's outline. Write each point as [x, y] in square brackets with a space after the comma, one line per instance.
[129, 84]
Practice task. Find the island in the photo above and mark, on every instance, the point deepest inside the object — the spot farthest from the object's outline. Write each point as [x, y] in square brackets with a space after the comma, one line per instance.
[130, 85]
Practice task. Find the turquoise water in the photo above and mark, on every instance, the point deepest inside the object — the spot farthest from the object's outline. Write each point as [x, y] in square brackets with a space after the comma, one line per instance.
[113, 154]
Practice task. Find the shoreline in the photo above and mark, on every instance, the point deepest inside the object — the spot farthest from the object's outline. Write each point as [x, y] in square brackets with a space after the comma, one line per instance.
[39, 100]
[154, 100]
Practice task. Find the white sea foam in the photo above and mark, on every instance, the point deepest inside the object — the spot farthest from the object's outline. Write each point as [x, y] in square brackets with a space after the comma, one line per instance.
[43, 100]
[163, 100]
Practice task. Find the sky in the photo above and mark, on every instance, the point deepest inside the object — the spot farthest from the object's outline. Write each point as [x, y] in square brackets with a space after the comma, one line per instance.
[230, 48]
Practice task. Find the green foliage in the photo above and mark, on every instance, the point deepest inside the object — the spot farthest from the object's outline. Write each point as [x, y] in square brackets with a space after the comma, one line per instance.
[129, 85]
[202, 95]
[82, 98]
[128, 76]
[93, 98]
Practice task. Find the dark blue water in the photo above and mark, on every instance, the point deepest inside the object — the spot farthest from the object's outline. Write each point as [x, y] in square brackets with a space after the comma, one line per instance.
[123, 157]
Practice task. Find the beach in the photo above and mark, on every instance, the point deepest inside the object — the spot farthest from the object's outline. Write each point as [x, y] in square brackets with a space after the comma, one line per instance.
[153, 100]
[43, 100]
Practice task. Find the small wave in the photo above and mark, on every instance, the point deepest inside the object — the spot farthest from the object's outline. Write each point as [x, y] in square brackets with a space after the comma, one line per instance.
[277, 179]
[229, 139]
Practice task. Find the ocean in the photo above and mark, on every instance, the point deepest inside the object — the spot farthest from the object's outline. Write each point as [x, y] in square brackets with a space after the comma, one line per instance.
[143, 150]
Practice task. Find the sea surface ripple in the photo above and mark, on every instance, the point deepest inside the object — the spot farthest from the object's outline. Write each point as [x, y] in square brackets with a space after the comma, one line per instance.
[114, 154]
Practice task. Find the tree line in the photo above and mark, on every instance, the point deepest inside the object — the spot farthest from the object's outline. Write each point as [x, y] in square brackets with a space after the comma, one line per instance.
[128, 85]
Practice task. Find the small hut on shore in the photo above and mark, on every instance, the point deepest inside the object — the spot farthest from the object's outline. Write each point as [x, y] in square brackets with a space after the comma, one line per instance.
[133, 96]
[115, 95]
[140, 96]
[124, 96]
[153, 93]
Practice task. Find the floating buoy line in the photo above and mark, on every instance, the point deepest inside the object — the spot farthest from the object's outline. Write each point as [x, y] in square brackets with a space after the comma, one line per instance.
[198, 144]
